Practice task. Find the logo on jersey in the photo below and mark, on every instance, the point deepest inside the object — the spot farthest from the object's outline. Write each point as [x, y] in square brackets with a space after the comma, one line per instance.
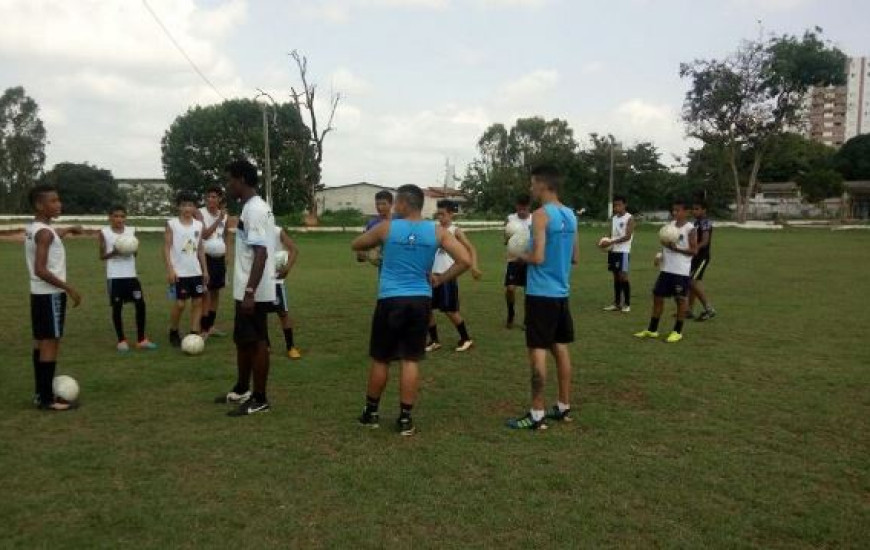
[412, 239]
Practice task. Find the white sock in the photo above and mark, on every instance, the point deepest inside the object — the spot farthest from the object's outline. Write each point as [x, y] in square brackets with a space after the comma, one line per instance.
[537, 415]
[563, 406]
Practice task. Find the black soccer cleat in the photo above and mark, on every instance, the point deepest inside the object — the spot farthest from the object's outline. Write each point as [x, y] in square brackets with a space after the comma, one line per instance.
[249, 407]
[174, 339]
[554, 413]
[369, 419]
[405, 426]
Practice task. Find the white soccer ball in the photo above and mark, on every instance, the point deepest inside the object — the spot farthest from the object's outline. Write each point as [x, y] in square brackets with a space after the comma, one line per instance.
[669, 234]
[518, 244]
[514, 227]
[192, 344]
[604, 243]
[65, 387]
[215, 248]
[281, 260]
[126, 244]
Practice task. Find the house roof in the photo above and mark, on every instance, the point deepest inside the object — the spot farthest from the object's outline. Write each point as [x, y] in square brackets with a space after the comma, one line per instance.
[778, 187]
[358, 184]
[857, 186]
[444, 193]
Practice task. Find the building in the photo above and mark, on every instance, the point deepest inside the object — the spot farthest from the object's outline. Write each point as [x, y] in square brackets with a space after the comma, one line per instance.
[836, 114]
[361, 196]
[857, 199]
[857, 97]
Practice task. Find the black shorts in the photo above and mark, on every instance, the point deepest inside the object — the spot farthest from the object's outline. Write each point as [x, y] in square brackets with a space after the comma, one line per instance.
[699, 266]
[618, 262]
[515, 274]
[548, 322]
[188, 287]
[217, 272]
[47, 315]
[280, 305]
[253, 328]
[671, 285]
[399, 329]
[446, 297]
[124, 290]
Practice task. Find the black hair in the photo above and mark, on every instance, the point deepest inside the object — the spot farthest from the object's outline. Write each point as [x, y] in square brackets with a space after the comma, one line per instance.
[620, 198]
[411, 195]
[384, 196]
[118, 208]
[549, 174]
[524, 199]
[447, 204]
[679, 202]
[38, 192]
[700, 202]
[185, 195]
[243, 169]
[216, 189]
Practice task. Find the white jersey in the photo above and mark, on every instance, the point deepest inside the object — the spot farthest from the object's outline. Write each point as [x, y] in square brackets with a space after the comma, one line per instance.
[184, 254]
[674, 262]
[618, 230]
[256, 228]
[279, 246]
[56, 262]
[527, 222]
[211, 243]
[118, 267]
[443, 260]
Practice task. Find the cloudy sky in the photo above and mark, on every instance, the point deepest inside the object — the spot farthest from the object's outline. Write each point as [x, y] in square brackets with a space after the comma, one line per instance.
[422, 78]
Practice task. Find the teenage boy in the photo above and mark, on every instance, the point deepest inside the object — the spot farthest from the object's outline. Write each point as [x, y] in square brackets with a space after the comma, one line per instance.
[618, 257]
[214, 231]
[515, 274]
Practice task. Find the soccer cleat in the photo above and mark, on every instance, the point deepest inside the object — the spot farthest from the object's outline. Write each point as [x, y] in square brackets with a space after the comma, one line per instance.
[123, 346]
[405, 426]
[464, 345]
[433, 346]
[626, 309]
[369, 419]
[555, 413]
[613, 307]
[232, 398]
[707, 314]
[674, 337]
[646, 334]
[146, 344]
[251, 406]
[526, 423]
[174, 339]
[57, 405]
[216, 333]
[294, 353]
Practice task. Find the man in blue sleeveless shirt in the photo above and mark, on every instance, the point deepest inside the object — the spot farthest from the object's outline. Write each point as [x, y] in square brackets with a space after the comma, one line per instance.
[554, 248]
[401, 319]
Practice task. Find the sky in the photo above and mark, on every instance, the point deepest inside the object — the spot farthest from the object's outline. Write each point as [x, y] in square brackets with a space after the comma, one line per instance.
[420, 79]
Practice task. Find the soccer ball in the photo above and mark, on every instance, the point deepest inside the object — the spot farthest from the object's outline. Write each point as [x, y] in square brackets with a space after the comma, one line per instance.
[215, 248]
[669, 234]
[281, 260]
[192, 344]
[127, 244]
[518, 244]
[65, 387]
[514, 227]
[604, 243]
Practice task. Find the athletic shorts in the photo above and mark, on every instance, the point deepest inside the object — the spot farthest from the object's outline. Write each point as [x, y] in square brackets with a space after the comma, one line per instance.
[187, 288]
[548, 322]
[217, 272]
[671, 285]
[399, 329]
[47, 315]
[515, 274]
[124, 290]
[618, 262]
[699, 266]
[253, 328]
[280, 305]
[446, 297]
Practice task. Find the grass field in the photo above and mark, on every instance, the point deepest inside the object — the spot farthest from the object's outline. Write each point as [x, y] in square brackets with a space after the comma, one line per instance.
[752, 432]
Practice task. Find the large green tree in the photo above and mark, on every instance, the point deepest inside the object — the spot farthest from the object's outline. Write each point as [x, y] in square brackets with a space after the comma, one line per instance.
[83, 188]
[22, 148]
[200, 143]
[853, 159]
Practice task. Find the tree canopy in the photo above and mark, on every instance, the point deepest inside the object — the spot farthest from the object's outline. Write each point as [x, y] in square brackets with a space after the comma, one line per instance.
[853, 159]
[84, 189]
[22, 148]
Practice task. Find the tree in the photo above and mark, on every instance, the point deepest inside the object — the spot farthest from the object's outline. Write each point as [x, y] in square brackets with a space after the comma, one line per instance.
[742, 102]
[820, 183]
[200, 143]
[790, 155]
[22, 148]
[83, 188]
[853, 159]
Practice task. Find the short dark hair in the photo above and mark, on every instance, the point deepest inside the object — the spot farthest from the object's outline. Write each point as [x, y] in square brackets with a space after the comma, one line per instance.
[185, 195]
[524, 199]
[700, 202]
[411, 195]
[216, 189]
[243, 169]
[118, 208]
[549, 174]
[384, 196]
[620, 198]
[38, 192]
[447, 204]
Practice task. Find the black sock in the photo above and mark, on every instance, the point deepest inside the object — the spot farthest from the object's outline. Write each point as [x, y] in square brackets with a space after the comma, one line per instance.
[617, 292]
[118, 320]
[173, 333]
[212, 317]
[372, 404]
[288, 338]
[405, 410]
[36, 371]
[626, 293]
[678, 327]
[463, 332]
[140, 319]
[204, 323]
[511, 311]
[433, 333]
[259, 397]
[653, 324]
[241, 387]
[46, 377]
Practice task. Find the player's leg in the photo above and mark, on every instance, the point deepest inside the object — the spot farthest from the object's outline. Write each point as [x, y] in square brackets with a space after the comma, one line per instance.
[510, 298]
[175, 320]
[250, 335]
[541, 326]
[625, 283]
[681, 294]
[434, 343]
[613, 268]
[661, 291]
[241, 391]
[383, 346]
[142, 341]
[379, 374]
[48, 330]
[409, 380]
[196, 315]
[465, 341]
[118, 323]
[204, 318]
[561, 411]
[409, 327]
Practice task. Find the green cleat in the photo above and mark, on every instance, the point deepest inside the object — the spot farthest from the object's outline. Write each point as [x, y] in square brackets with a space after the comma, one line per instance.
[646, 334]
[674, 337]
[526, 423]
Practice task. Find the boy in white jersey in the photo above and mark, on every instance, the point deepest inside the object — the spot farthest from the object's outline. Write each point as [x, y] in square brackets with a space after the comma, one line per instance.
[621, 236]
[46, 262]
[122, 281]
[282, 305]
[214, 231]
[676, 276]
[186, 269]
[516, 272]
[445, 296]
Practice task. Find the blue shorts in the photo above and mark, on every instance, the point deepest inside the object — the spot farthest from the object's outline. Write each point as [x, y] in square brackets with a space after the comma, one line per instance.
[618, 262]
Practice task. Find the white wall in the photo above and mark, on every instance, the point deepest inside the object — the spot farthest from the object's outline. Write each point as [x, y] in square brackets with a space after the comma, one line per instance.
[361, 197]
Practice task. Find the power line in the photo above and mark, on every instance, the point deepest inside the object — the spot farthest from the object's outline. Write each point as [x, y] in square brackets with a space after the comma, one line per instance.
[180, 49]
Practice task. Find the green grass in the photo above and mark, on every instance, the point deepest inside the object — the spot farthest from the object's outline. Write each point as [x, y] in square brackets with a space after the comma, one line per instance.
[752, 432]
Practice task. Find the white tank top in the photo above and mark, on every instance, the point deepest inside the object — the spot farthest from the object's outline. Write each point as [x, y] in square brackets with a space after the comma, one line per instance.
[516, 218]
[279, 247]
[185, 246]
[618, 230]
[208, 220]
[56, 262]
[443, 261]
[118, 267]
[674, 262]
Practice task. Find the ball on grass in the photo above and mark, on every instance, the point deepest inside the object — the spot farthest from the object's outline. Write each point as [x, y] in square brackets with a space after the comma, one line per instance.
[192, 344]
[65, 387]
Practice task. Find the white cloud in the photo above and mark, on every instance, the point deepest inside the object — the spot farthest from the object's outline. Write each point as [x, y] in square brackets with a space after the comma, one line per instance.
[346, 82]
[529, 88]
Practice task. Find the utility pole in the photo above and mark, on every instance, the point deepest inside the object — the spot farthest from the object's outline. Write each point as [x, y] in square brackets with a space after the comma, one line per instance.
[268, 166]
[610, 188]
